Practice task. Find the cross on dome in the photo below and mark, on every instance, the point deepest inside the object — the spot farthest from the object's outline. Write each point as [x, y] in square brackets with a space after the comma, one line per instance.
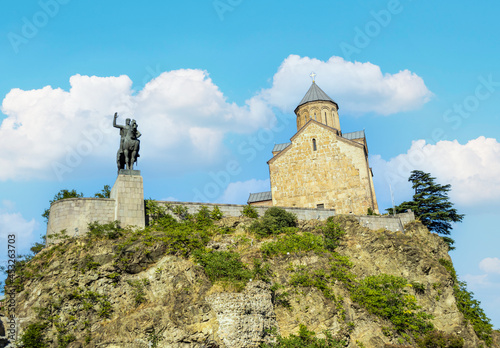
[313, 75]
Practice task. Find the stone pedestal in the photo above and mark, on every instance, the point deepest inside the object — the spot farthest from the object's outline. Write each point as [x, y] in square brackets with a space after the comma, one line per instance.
[128, 193]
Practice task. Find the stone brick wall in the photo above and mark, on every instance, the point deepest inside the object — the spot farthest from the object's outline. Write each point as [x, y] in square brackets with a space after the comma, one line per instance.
[76, 213]
[336, 174]
[128, 192]
[322, 111]
[236, 209]
[388, 222]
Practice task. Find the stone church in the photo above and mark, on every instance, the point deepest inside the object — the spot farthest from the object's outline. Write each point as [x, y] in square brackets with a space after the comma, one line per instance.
[320, 167]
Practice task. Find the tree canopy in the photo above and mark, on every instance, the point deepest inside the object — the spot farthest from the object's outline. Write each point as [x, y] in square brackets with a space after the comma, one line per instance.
[430, 203]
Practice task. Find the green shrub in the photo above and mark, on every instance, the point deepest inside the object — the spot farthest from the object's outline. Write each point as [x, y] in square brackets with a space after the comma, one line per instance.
[216, 214]
[384, 295]
[158, 215]
[294, 243]
[469, 307]
[305, 339]
[261, 270]
[439, 339]
[110, 230]
[472, 311]
[273, 222]
[203, 216]
[223, 265]
[65, 340]
[449, 267]
[138, 289]
[318, 279]
[34, 335]
[250, 211]
[340, 269]
[181, 211]
[89, 264]
[333, 234]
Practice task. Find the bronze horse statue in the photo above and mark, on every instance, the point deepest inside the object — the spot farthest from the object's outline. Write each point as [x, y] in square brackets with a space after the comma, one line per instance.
[129, 144]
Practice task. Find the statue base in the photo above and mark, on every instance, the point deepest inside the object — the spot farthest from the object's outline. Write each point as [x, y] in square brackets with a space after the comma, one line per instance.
[128, 194]
[129, 172]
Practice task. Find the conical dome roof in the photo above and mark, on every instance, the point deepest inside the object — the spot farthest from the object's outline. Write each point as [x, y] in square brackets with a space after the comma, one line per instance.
[314, 94]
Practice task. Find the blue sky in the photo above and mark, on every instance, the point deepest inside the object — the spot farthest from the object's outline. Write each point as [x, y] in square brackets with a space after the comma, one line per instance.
[213, 84]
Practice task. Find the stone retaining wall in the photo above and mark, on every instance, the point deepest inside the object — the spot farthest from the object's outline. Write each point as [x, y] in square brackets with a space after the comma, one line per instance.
[74, 215]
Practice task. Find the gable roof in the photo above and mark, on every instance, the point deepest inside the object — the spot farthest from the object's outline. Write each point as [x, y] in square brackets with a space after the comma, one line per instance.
[333, 130]
[314, 94]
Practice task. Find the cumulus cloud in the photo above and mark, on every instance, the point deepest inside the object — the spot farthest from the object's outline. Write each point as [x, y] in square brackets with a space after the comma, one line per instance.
[52, 133]
[238, 192]
[356, 87]
[490, 265]
[472, 169]
[182, 114]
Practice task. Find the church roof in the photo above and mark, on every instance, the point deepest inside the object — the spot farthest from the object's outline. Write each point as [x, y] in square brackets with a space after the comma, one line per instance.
[259, 197]
[354, 135]
[280, 147]
[314, 94]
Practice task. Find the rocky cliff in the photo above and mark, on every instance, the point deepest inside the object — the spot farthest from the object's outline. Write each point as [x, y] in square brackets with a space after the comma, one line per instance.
[204, 284]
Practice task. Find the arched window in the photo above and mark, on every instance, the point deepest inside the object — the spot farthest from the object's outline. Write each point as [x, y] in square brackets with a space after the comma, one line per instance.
[305, 118]
[326, 119]
[315, 117]
[314, 145]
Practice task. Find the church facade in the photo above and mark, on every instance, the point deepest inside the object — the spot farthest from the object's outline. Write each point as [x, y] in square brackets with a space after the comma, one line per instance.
[320, 167]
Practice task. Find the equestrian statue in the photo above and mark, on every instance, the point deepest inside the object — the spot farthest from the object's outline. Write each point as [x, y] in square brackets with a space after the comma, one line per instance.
[128, 151]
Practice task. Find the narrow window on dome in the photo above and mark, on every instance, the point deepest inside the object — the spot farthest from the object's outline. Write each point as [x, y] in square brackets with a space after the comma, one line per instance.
[315, 117]
[314, 145]
[326, 120]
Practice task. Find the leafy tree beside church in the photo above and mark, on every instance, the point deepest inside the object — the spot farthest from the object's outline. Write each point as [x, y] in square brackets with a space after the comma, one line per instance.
[431, 204]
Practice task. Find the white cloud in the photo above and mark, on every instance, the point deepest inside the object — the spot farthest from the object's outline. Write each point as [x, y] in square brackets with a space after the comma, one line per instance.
[15, 224]
[356, 87]
[475, 281]
[490, 265]
[472, 169]
[183, 116]
[238, 192]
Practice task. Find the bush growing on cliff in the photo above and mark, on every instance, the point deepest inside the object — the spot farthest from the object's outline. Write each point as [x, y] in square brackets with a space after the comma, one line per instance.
[332, 233]
[384, 296]
[275, 219]
[294, 243]
[110, 230]
[305, 339]
[223, 265]
[469, 307]
[250, 211]
[34, 335]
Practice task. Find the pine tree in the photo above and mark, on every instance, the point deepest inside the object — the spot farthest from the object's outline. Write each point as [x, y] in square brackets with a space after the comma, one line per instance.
[431, 204]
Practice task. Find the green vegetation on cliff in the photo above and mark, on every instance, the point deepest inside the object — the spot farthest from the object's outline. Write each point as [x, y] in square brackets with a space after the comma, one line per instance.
[333, 274]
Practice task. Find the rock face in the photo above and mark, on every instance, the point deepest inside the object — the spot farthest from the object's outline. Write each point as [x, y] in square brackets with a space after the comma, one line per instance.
[110, 294]
[244, 318]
